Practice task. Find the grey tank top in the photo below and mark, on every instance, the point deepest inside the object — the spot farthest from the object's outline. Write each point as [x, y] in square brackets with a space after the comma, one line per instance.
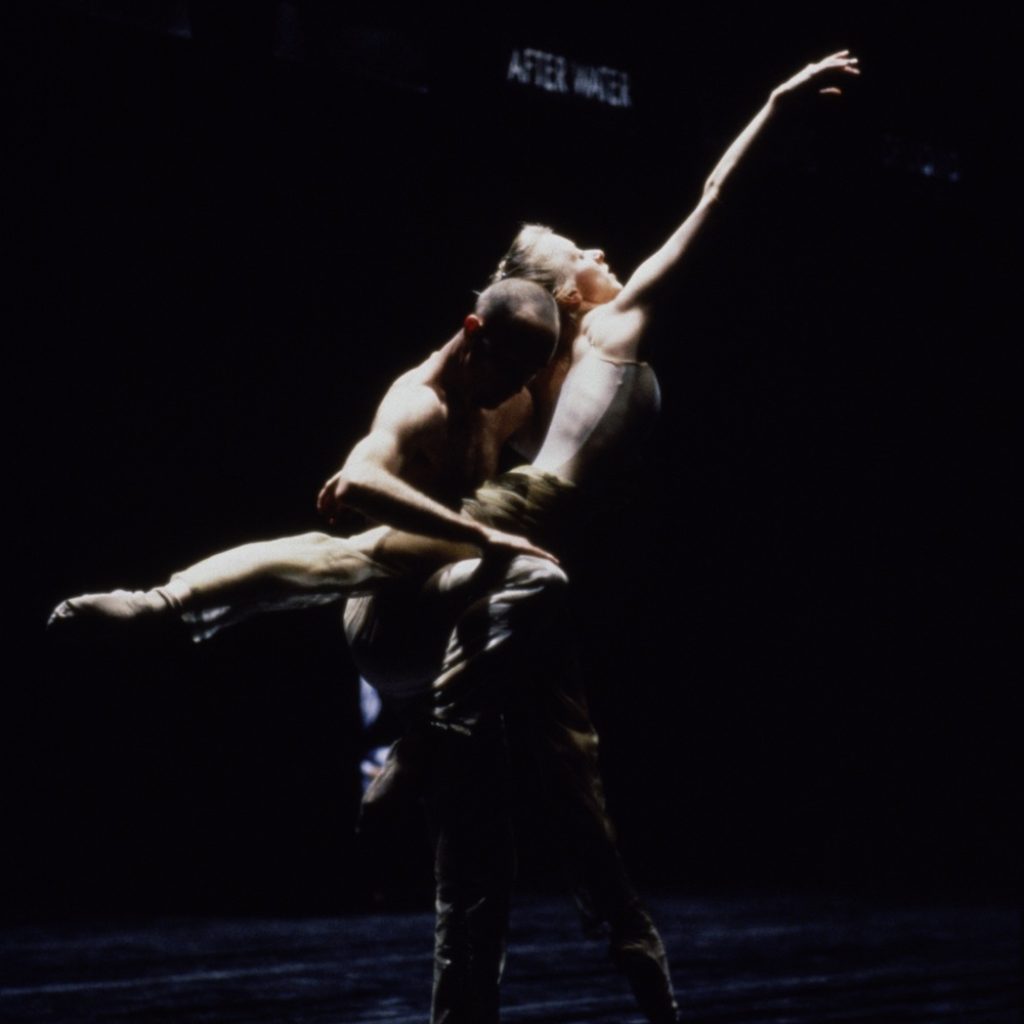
[605, 407]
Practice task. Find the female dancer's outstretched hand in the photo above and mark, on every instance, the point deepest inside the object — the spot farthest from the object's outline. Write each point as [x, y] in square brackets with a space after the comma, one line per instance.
[824, 70]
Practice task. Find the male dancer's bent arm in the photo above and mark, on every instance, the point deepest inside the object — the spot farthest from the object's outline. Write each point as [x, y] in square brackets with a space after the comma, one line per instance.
[371, 480]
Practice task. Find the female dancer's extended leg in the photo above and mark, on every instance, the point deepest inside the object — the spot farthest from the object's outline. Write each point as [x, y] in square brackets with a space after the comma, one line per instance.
[310, 568]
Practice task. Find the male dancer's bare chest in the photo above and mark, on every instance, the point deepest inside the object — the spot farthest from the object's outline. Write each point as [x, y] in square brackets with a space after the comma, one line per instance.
[458, 458]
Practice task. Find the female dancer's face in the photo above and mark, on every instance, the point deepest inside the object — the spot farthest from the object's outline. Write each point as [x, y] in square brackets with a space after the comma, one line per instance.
[585, 270]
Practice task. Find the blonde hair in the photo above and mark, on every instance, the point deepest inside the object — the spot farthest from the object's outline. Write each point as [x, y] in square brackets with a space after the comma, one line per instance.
[522, 261]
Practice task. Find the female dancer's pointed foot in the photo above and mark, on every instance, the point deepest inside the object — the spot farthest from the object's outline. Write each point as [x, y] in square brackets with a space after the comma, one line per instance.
[116, 605]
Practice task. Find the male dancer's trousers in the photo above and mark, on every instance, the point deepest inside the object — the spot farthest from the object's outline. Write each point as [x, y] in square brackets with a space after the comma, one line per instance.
[508, 693]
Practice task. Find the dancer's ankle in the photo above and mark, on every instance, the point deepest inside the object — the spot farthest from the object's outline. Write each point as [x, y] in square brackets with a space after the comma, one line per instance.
[176, 592]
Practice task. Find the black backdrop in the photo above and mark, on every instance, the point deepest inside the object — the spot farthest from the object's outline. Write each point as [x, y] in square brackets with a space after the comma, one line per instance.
[216, 261]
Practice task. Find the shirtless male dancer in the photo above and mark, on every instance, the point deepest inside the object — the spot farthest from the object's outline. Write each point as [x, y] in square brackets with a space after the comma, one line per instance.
[607, 394]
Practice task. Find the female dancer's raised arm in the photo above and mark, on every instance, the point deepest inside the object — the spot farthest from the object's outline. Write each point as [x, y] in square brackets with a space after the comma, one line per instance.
[617, 329]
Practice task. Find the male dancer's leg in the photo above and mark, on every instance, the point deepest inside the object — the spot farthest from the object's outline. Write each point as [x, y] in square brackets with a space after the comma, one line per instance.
[491, 617]
[555, 749]
[489, 650]
[496, 673]
[555, 754]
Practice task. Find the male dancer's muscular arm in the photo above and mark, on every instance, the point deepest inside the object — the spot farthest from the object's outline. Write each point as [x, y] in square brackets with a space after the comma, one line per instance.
[410, 420]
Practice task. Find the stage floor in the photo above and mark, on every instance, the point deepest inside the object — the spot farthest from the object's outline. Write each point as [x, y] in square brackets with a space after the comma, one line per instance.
[751, 961]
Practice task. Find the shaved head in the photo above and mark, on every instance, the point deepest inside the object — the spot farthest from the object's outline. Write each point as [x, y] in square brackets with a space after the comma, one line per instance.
[509, 337]
[518, 312]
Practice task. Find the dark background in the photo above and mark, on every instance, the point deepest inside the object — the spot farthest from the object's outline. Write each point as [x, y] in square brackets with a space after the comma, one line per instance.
[217, 258]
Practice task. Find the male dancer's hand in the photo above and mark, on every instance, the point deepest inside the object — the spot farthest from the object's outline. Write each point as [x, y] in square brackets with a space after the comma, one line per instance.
[500, 544]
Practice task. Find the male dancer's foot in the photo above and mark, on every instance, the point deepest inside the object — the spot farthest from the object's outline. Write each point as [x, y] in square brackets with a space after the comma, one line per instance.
[121, 605]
